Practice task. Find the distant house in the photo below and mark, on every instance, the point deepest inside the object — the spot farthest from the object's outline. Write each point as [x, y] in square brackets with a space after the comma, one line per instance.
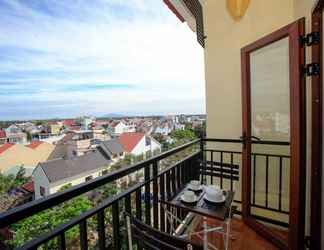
[80, 143]
[139, 143]
[13, 156]
[163, 129]
[119, 127]
[99, 133]
[15, 135]
[54, 128]
[3, 137]
[86, 122]
[12, 129]
[113, 148]
[49, 177]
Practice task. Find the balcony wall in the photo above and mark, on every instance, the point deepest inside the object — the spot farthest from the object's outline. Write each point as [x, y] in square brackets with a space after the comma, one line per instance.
[225, 38]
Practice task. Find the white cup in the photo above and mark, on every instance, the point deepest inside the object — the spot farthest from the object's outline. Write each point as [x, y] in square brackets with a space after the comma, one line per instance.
[194, 184]
[214, 193]
[189, 195]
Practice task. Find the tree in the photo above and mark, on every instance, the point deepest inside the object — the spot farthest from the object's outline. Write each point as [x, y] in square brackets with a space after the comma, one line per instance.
[200, 129]
[40, 223]
[8, 182]
[186, 135]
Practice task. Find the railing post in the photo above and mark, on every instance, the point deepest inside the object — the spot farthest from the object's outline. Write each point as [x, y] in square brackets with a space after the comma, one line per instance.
[155, 195]
[147, 198]
[203, 163]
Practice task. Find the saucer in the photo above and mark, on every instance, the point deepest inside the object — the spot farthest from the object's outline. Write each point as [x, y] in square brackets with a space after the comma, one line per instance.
[215, 201]
[186, 201]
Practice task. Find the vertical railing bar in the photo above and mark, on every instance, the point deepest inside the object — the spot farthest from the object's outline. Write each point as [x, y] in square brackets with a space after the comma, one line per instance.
[212, 167]
[254, 177]
[101, 230]
[128, 203]
[162, 195]
[83, 235]
[168, 192]
[138, 205]
[232, 171]
[267, 180]
[62, 241]
[173, 181]
[138, 197]
[116, 235]
[280, 182]
[221, 175]
[155, 195]
[147, 196]
[183, 166]
[178, 176]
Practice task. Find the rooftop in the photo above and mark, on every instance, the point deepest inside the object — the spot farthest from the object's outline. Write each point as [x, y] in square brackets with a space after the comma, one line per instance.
[130, 140]
[60, 169]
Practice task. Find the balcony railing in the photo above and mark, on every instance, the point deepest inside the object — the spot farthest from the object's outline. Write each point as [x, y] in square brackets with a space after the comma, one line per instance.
[212, 161]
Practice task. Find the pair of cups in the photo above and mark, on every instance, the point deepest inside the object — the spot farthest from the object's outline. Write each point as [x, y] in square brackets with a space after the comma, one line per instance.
[212, 193]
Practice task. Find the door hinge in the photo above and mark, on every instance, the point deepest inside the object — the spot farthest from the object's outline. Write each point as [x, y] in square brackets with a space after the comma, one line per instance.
[307, 241]
[310, 39]
[312, 69]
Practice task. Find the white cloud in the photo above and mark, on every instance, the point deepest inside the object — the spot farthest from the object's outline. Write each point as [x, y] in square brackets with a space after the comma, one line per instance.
[134, 42]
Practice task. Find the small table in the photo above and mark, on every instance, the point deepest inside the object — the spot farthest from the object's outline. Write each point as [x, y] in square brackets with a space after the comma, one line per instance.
[221, 211]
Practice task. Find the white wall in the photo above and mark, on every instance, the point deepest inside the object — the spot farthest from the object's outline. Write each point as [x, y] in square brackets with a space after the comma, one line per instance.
[54, 187]
[40, 180]
[154, 145]
[140, 148]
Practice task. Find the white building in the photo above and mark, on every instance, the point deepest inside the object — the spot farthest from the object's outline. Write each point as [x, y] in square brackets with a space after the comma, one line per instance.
[86, 122]
[139, 143]
[49, 177]
[119, 127]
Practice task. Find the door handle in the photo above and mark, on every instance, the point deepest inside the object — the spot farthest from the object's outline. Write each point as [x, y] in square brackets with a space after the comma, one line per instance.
[256, 138]
[245, 139]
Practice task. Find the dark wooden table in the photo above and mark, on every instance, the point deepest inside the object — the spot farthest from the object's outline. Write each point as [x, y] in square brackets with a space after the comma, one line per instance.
[213, 210]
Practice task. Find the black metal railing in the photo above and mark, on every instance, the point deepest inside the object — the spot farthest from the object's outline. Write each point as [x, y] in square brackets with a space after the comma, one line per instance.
[224, 165]
[160, 180]
[162, 177]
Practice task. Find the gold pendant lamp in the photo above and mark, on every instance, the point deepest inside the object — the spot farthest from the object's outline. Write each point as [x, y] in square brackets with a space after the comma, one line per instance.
[237, 8]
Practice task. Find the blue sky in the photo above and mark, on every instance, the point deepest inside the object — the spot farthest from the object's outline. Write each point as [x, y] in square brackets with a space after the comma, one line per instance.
[66, 58]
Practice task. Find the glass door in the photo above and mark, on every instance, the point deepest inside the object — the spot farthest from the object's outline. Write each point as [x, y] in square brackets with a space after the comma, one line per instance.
[273, 135]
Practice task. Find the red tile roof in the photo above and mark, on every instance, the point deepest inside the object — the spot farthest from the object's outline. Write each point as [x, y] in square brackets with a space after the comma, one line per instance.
[4, 147]
[29, 186]
[2, 134]
[174, 10]
[34, 144]
[130, 140]
[68, 123]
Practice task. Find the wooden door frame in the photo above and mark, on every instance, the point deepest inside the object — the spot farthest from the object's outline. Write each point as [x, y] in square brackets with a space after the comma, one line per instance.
[297, 141]
[317, 131]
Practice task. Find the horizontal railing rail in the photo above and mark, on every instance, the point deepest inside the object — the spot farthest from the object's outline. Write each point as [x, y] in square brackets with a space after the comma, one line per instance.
[109, 202]
[265, 142]
[160, 180]
[16, 214]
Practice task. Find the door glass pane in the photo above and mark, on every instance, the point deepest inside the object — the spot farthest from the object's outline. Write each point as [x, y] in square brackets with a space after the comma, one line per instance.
[270, 121]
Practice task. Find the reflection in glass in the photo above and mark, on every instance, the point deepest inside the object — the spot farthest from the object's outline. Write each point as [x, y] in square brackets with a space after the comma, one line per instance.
[270, 120]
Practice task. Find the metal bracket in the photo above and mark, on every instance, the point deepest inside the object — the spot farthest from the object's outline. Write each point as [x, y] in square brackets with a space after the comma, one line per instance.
[312, 69]
[311, 39]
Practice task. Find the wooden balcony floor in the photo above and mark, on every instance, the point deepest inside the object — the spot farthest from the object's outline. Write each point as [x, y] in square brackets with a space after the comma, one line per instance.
[244, 238]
